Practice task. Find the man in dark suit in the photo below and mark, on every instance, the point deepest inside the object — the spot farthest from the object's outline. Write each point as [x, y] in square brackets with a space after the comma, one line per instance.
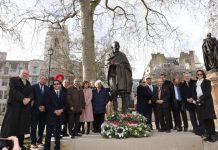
[17, 118]
[60, 78]
[152, 89]
[187, 88]
[55, 106]
[144, 101]
[179, 106]
[38, 111]
[161, 97]
[169, 84]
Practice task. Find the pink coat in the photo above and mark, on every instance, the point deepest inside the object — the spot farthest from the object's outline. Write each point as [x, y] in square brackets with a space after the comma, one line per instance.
[87, 113]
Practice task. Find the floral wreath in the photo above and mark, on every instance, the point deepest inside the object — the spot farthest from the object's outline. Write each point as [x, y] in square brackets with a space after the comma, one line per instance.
[121, 126]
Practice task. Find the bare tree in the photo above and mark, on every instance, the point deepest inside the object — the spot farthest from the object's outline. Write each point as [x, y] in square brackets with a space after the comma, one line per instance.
[129, 17]
[8, 21]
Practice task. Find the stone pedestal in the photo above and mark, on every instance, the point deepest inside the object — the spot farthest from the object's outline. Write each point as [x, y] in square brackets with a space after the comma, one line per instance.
[213, 77]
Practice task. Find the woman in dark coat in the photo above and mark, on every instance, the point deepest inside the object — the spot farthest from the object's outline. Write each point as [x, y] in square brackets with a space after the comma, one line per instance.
[99, 101]
[17, 118]
[204, 104]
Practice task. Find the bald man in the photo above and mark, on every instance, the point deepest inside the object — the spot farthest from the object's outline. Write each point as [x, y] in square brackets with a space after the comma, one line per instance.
[17, 118]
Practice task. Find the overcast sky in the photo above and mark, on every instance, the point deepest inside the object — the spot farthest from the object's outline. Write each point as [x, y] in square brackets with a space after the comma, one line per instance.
[192, 26]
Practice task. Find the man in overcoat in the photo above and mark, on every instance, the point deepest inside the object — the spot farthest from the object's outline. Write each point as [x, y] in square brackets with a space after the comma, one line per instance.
[18, 116]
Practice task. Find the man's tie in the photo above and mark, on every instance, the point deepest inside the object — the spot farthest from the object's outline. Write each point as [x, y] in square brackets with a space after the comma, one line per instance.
[159, 92]
[187, 84]
[42, 89]
[151, 88]
[58, 93]
[179, 94]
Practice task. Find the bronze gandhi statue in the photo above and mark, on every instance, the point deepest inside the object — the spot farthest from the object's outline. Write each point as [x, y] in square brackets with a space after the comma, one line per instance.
[119, 76]
[210, 53]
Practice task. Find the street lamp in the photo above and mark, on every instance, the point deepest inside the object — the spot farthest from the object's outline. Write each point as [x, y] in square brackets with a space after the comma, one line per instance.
[50, 53]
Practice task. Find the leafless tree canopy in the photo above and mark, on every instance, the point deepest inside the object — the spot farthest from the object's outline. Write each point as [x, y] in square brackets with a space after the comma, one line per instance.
[143, 21]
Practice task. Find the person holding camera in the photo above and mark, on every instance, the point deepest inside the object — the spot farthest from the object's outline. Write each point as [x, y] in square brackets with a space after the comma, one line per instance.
[10, 143]
[204, 105]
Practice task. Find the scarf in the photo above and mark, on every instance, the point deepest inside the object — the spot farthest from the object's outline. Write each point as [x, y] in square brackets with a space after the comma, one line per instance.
[198, 89]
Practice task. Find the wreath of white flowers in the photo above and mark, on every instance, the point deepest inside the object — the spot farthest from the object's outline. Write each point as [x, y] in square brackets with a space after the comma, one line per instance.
[125, 125]
[122, 132]
[107, 130]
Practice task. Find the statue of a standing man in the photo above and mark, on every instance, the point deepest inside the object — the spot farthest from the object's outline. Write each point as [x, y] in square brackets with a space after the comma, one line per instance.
[210, 53]
[119, 76]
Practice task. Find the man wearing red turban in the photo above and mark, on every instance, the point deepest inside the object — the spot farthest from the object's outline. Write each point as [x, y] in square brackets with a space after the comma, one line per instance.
[59, 77]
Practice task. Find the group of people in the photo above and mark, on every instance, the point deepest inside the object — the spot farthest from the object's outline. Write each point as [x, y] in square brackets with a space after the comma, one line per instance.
[170, 100]
[61, 108]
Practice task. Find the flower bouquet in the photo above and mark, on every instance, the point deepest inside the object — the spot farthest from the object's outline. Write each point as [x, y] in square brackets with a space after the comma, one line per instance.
[121, 126]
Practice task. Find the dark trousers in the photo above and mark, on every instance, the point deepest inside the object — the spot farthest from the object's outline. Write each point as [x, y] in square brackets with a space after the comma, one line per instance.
[171, 117]
[21, 140]
[201, 126]
[193, 118]
[178, 121]
[57, 133]
[157, 121]
[163, 115]
[73, 125]
[64, 130]
[210, 127]
[98, 120]
[38, 120]
[179, 111]
[148, 114]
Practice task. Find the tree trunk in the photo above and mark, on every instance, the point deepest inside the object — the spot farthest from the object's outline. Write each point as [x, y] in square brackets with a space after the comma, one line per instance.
[88, 52]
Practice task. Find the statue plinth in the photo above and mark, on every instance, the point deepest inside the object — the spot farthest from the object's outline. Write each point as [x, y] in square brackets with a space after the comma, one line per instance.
[213, 77]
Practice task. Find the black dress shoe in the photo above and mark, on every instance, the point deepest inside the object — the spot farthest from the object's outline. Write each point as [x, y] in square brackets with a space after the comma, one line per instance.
[206, 139]
[168, 131]
[66, 135]
[78, 134]
[72, 137]
[179, 129]
[210, 139]
[161, 130]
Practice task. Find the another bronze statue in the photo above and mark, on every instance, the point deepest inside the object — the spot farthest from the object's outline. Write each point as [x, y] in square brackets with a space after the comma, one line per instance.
[210, 53]
[119, 76]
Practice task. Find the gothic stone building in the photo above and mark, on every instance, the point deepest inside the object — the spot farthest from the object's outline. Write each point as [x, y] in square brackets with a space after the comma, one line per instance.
[172, 66]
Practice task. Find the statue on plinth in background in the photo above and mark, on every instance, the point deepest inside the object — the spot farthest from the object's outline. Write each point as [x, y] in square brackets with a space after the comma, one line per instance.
[119, 76]
[210, 53]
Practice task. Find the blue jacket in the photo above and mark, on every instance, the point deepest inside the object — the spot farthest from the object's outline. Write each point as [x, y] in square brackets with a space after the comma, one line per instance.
[54, 103]
[38, 97]
[99, 100]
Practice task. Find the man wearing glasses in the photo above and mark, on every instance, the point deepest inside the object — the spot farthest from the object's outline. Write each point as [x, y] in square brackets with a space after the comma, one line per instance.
[55, 106]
